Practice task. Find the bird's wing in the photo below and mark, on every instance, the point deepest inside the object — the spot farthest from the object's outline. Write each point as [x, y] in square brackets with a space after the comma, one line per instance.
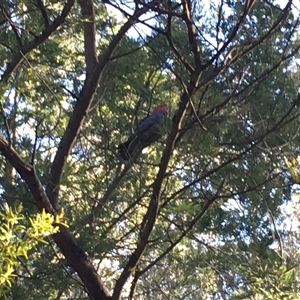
[143, 124]
[147, 123]
[145, 134]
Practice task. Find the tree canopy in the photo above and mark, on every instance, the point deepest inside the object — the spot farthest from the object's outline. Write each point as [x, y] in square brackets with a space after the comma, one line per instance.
[208, 212]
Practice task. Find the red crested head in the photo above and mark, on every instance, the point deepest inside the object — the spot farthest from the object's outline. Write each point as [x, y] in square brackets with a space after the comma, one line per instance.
[163, 107]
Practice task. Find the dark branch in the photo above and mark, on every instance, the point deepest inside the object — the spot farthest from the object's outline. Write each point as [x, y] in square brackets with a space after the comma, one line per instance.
[233, 33]
[174, 48]
[65, 241]
[25, 49]
[88, 14]
[14, 29]
[42, 8]
[192, 31]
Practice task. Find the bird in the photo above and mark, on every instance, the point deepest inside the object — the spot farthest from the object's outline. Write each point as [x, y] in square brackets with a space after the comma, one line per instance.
[148, 131]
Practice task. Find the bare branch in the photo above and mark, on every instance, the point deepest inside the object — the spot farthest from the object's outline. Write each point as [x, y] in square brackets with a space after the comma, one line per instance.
[65, 241]
[133, 284]
[252, 44]
[192, 31]
[233, 33]
[88, 14]
[18, 38]
[27, 172]
[220, 13]
[81, 264]
[5, 123]
[174, 48]
[42, 8]
[201, 213]
[35, 142]
[100, 204]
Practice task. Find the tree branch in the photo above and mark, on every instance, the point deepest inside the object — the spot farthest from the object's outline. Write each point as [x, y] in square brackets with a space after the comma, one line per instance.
[179, 56]
[88, 14]
[233, 33]
[27, 172]
[25, 49]
[192, 32]
[14, 29]
[42, 8]
[65, 241]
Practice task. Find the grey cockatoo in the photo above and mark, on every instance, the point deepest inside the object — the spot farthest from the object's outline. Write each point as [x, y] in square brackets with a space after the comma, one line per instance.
[147, 132]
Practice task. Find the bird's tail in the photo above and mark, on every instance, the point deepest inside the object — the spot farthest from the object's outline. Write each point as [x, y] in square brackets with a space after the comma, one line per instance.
[129, 149]
[123, 151]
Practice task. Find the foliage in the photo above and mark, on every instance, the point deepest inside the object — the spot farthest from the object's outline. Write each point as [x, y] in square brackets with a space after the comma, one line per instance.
[203, 213]
[18, 236]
